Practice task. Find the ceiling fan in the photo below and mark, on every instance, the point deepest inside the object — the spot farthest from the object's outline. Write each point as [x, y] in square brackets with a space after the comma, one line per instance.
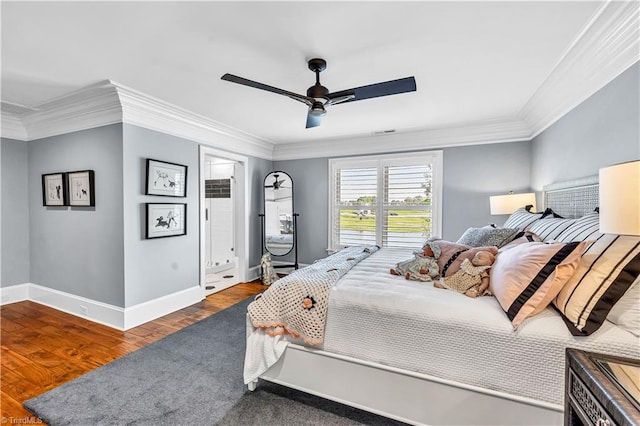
[276, 183]
[318, 97]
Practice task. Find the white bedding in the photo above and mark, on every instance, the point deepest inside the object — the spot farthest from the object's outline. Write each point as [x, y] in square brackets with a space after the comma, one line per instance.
[378, 317]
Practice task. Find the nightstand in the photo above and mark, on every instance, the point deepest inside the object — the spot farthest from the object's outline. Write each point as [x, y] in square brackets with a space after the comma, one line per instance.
[601, 390]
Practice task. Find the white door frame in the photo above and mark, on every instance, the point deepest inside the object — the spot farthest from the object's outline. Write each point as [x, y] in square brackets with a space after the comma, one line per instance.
[241, 221]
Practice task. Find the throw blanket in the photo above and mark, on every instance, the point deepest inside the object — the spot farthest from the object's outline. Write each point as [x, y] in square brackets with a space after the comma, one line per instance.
[297, 303]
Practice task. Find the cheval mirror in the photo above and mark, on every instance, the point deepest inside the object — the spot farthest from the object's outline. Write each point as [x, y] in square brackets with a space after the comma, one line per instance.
[279, 227]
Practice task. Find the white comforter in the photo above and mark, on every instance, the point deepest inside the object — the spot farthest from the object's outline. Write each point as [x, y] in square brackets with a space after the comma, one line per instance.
[379, 317]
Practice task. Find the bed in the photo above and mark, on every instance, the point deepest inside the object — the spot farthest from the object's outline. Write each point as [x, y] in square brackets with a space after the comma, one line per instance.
[423, 355]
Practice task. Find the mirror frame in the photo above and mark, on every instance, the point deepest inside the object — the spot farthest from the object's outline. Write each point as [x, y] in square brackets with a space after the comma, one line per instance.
[270, 176]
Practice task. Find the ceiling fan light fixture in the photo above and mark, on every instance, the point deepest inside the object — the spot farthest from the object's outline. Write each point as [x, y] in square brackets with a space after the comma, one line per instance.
[317, 109]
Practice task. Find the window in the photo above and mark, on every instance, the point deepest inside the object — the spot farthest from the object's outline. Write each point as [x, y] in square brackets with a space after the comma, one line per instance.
[391, 200]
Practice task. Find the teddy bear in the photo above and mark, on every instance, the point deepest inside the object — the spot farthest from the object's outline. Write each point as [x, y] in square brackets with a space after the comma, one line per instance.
[472, 279]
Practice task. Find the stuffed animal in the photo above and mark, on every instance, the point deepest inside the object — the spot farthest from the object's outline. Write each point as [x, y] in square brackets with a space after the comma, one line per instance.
[472, 279]
[422, 267]
[453, 254]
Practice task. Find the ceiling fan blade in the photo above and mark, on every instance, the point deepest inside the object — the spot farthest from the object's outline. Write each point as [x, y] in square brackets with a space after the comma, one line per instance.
[393, 87]
[313, 120]
[246, 82]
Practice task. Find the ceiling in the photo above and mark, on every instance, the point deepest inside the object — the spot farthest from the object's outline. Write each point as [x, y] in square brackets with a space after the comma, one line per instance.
[472, 61]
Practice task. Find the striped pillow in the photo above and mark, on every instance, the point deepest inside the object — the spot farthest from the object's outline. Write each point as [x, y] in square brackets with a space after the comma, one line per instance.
[585, 228]
[521, 219]
[526, 278]
[605, 272]
[626, 312]
[550, 228]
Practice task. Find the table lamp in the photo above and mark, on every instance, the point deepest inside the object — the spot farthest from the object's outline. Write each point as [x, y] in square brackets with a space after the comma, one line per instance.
[620, 199]
[509, 203]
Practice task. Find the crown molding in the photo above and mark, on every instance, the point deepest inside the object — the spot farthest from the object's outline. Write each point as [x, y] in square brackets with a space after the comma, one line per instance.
[607, 46]
[87, 108]
[485, 132]
[108, 102]
[12, 127]
[151, 113]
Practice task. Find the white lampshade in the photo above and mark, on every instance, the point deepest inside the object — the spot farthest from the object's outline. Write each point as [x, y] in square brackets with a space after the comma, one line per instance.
[507, 204]
[620, 199]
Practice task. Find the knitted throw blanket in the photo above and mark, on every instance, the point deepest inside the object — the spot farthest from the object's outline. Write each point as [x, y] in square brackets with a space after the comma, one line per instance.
[297, 303]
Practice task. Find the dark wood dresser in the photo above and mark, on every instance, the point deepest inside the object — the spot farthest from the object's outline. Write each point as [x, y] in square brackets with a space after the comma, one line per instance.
[593, 396]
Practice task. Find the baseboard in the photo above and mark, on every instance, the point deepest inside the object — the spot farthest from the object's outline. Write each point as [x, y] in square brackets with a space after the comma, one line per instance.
[254, 273]
[99, 312]
[156, 308]
[93, 310]
[14, 293]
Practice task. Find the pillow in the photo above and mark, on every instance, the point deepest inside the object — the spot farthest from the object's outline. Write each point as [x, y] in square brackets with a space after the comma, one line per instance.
[522, 219]
[482, 237]
[605, 272]
[585, 228]
[550, 228]
[452, 255]
[526, 278]
[626, 312]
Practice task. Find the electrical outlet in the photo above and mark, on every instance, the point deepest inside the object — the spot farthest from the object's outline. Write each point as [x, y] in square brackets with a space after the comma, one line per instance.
[84, 310]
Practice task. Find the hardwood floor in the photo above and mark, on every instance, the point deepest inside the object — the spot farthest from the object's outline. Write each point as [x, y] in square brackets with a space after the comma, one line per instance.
[43, 348]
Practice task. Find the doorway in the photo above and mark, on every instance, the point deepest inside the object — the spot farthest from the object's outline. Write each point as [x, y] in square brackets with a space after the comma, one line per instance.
[223, 246]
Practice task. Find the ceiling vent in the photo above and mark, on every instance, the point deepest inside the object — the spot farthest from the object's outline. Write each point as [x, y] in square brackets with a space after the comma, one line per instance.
[383, 132]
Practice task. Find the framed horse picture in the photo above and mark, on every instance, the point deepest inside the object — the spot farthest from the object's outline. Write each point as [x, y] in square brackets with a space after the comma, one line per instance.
[166, 179]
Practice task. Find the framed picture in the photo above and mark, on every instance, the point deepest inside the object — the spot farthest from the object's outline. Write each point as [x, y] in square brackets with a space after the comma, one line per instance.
[81, 188]
[166, 220]
[168, 179]
[54, 191]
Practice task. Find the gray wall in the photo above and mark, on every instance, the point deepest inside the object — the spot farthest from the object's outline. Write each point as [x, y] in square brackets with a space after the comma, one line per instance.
[471, 175]
[603, 130]
[100, 252]
[15, 212]
[310, 197]
[79, 250]
[157, 267]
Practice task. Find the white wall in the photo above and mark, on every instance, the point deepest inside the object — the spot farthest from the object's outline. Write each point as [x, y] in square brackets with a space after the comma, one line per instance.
[219, 228]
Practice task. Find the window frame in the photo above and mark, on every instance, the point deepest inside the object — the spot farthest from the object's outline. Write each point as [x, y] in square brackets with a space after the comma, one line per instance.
[435, 158]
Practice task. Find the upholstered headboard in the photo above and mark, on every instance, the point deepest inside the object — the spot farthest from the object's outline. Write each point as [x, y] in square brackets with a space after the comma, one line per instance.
[572, 199]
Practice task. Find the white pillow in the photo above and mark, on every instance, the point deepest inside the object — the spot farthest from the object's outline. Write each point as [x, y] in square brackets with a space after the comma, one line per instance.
[626, 312]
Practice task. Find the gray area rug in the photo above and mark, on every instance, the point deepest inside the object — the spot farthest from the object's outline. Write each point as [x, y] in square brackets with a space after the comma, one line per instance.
[191, 377]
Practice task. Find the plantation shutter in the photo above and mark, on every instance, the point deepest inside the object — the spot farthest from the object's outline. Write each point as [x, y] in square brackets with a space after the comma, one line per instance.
[354, 218]
[406, 205]
[384, 201]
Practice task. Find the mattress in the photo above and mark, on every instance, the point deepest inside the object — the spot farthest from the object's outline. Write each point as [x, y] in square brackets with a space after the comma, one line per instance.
[379, 317]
